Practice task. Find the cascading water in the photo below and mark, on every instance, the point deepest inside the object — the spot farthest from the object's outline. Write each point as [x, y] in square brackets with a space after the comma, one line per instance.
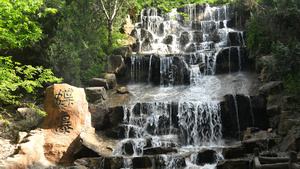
[251, 111]
[177, 84]
[237, 115]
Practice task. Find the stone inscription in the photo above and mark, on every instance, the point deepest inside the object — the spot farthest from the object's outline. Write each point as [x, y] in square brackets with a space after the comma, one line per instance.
[65, 125]
[64, 98]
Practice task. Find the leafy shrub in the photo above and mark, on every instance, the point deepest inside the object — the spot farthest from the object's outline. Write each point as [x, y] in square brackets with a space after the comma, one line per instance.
[14, 77]
[287, 58]
[293, 85]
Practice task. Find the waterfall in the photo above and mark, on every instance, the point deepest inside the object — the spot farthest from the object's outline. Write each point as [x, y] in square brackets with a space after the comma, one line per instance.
[150, 73]
[240, 58]
[237, 115]
[195, 75]
[250, 110]
[180, 107]
[229, 69]
[199, 123]
[166, 71]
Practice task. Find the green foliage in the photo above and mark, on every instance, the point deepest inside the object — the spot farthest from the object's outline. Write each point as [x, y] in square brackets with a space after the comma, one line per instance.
[168, 5]
[271, 21]
[18, 25]
[257, 39]
[14, 77]
[6, 123]
[287, 58]
[293, 85]
[273, 29]
[78, 46]
[18, 30]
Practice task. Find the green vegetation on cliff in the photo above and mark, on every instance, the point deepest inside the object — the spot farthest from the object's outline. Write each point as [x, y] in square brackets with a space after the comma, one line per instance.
[273, 29]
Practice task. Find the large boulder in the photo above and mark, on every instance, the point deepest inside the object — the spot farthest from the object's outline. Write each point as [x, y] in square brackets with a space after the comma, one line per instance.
[250, 110]
[287, 120]
[190, 48]
[98, 113]
[184, 39]
[96, 94]
[99, 162]
[115, 64]
[67, 116]
[291, 142]
[172, 161]
[168, 40]
[146, 34]
[85, 163]
[198, 36]
[127, 148]
[196, 25]
[261, 119]
[255, 138]
[234, 151]
[98, 82]
[215, 36]
[240, 163]
[141, 162]
[146, 45]
[86, 147]
[111, 80]
[93, 145]
[122, 90]
[271, 88]
[29, 153]
[123, 51]
[206, 157]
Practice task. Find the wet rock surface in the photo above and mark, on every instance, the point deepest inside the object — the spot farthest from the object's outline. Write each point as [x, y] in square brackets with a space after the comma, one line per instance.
[206, 157]
[240, 163]
[255, 138]
[235, 151]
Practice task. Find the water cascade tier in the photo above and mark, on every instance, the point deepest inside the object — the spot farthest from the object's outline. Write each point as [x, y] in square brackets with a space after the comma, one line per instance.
[182, 68]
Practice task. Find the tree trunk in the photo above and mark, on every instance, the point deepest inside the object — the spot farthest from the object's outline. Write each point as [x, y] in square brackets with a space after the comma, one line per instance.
[110, 31]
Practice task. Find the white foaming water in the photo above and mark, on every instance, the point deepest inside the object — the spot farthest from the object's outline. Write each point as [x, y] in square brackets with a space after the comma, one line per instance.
[207, 88]
[251, 111]
[237, 115]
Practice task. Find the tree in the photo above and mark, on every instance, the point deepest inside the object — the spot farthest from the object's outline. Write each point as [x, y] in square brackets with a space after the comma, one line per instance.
[18, 29]
[78, 46]
[111, 10]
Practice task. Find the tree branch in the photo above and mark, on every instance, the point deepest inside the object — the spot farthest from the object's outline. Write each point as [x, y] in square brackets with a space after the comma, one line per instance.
[117, 9]
[104, 10]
